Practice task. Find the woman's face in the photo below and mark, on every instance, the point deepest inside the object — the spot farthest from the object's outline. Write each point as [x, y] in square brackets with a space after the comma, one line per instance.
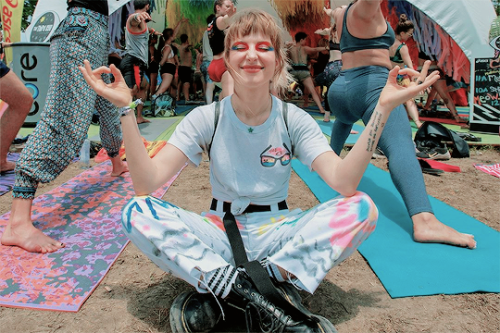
[252, 60]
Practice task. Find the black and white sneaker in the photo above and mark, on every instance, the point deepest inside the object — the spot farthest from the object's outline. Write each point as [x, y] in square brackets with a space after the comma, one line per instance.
[265, 315]
[194, 312]
[292, 295]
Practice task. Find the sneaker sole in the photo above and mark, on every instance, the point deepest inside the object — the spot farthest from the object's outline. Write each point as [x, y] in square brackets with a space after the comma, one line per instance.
[439, 157]
[178, 323]
[324, 325]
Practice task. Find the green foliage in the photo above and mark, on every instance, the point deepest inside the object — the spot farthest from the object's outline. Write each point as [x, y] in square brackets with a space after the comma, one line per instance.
[496, 4]
[29, 8]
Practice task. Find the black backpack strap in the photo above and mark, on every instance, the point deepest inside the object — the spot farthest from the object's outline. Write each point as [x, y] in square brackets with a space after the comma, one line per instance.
[239, 253]
[256, 272]
[285, 119]
[216, 121]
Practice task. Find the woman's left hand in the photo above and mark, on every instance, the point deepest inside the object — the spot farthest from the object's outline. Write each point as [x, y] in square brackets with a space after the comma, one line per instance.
[394, 94]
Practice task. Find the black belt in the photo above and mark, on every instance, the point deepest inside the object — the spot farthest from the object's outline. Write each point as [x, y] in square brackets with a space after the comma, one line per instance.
[226, 207]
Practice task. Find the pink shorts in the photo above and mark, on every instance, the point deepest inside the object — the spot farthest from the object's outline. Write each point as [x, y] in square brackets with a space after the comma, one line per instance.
[216, 68]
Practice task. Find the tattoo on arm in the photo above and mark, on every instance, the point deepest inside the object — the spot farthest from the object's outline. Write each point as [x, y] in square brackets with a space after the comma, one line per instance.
[376, 124]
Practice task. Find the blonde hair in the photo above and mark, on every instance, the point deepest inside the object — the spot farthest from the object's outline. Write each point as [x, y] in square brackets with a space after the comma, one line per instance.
[256, 21]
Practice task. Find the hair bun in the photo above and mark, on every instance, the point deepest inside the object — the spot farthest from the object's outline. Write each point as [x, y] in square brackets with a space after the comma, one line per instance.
[403, 18]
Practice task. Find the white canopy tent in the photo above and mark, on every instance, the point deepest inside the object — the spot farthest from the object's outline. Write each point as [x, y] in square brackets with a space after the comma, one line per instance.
[466, 21]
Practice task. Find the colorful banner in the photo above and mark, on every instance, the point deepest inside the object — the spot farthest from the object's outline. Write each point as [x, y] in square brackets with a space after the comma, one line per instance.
[12, 14]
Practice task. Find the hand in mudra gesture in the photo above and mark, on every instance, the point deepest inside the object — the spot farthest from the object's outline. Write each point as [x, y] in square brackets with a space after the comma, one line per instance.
[116, 92]
[395, 94]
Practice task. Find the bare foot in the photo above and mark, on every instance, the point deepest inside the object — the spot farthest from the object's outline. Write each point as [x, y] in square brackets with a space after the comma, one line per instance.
[326, 117]
[354, 132]
[142, 120]
[459, 119]
[119, 169]
[7, 166]
[428, 229]
[29, 238]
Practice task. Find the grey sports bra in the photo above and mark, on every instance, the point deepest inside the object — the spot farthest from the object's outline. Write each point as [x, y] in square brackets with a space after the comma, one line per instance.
[349, 43]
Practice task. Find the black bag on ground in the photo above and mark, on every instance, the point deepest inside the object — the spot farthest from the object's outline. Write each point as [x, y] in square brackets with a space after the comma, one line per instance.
[431, 135]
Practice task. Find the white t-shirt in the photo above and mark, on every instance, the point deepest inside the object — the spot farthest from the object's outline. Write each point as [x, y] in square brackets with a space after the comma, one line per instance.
[207, 51]
[250, 164]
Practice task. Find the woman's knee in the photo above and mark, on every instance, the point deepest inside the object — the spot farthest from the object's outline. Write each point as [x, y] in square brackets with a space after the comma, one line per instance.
[142, 208]
[362, 205]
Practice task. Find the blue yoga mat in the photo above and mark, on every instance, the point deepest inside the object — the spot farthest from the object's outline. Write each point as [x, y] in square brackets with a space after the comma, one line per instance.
[326, 128]
[407, 268]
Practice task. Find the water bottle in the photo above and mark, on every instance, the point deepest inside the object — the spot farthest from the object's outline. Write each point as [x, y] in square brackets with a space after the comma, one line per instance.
[85, 155]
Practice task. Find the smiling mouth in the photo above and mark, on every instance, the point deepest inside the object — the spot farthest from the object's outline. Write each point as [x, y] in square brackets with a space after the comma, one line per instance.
[252, 68]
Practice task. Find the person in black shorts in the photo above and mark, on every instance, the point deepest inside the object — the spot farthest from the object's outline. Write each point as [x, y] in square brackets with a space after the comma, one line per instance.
[14, 93]
[135, 63]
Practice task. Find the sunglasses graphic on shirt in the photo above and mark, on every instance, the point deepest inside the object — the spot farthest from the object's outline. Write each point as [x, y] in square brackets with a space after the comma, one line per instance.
[267, 160]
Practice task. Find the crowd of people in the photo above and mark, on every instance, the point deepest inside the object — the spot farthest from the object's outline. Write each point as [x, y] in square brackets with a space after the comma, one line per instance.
[250, 135]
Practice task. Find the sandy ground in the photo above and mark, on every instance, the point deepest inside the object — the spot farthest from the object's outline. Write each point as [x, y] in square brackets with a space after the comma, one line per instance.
[135, 296]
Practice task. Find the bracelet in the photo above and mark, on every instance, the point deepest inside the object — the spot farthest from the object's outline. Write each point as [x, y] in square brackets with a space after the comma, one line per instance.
[123, 111]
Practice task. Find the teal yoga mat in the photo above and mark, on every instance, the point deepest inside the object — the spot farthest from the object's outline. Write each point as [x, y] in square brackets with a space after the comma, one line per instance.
[407, 268]
[326, 128]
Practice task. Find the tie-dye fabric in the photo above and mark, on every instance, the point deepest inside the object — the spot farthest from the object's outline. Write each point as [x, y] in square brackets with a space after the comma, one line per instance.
[306, 244]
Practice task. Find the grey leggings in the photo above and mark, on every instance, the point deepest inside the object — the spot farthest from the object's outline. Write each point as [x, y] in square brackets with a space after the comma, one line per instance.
[353, 96]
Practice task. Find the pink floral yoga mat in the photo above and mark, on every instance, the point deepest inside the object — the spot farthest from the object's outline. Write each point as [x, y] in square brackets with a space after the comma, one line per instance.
[85, 214]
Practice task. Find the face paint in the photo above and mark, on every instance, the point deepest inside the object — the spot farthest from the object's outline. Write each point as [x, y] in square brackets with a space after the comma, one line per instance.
[264, 47]
[261, 47]
[239, 46]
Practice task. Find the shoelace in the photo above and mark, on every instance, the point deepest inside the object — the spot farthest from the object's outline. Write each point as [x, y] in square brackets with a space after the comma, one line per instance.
[268, 323]
[271, 318]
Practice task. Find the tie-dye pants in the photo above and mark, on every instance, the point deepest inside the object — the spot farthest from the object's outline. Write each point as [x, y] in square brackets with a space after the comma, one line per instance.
[306, 244]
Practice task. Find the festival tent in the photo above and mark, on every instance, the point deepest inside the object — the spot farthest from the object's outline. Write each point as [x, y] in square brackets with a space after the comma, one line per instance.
[456, 34]
[467, 22]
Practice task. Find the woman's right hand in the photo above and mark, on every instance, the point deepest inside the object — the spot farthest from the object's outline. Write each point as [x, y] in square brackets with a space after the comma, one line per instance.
[394, 94]
[116, 92]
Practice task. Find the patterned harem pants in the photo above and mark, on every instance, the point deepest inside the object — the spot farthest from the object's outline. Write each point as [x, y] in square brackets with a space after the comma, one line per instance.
[70, 102]
[306, 244]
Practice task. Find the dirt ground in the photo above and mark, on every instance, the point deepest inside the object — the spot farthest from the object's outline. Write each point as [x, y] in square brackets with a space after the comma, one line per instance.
[135, 296]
